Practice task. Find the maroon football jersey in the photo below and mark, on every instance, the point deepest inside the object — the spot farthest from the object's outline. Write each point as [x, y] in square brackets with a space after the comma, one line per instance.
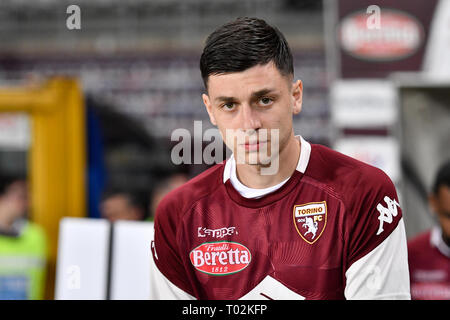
[213, 243]
[429, 265]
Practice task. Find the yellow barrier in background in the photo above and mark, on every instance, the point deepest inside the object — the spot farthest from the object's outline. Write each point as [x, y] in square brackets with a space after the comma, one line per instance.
[57, 155]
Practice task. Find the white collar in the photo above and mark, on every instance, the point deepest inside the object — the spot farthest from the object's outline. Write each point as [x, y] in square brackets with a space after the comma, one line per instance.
[437, 241]
[230, 173]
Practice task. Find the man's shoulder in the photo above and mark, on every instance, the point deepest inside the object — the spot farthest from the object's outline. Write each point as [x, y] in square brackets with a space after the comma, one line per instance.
[422, 254]
[183, 197]
[344, 174]
[419, 242]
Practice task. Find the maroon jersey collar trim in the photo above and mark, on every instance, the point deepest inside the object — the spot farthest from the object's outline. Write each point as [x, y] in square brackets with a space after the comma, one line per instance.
[267, 199]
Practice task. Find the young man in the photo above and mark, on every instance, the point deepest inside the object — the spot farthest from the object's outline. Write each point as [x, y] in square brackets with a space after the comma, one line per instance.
[23, 244]
[429, 252]
[320, 226]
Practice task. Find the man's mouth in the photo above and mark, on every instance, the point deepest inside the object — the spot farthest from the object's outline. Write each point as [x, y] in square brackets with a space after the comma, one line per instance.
[254, 146]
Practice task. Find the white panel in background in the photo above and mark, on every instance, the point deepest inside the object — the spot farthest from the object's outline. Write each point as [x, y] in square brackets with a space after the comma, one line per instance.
[363, 103]
[82, 262]
[14, 131]
[131, 254]
[436, 63]
[380, 152]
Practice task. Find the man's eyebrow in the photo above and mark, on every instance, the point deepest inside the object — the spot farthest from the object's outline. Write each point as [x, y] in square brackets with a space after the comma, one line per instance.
[226, 99]
[254, 95]
[262, 92]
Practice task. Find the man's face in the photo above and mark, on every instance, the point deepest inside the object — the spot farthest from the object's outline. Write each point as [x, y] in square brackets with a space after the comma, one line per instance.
[118, 207]
[245, 103]
[440, 204]
[15, 199]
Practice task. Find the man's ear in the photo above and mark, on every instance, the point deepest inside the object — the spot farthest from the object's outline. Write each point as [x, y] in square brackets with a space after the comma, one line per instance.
[209, 108]
[432, 203]
[297, 96]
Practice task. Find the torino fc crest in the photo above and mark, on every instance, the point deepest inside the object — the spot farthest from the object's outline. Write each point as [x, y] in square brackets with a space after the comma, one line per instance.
[310, 220]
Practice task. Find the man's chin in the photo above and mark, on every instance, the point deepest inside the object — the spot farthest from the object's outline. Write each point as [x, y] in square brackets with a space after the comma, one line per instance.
[253, 158]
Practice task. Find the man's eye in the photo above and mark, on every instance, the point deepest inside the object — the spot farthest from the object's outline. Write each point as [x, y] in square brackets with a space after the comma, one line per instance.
[265, 101]
[228, 105]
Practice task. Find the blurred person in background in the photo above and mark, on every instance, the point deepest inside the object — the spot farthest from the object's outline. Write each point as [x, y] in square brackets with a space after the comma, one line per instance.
[164, 187]
[22, 244]
[429, 252]
[122, 204]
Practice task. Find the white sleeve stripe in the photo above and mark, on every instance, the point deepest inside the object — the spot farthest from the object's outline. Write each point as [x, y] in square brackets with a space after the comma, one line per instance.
[162, 289]
[383, 273]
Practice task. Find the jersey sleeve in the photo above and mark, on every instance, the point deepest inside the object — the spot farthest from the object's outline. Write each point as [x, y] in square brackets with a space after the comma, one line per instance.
[169, 280]
[377, 260]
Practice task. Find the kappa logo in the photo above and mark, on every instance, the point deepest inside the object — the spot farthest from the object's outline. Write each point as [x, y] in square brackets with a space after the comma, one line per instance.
[310, 220]
[387, 214]
[216, 233]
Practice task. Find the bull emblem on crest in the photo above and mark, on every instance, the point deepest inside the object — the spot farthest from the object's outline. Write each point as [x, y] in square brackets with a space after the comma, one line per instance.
[312, 227]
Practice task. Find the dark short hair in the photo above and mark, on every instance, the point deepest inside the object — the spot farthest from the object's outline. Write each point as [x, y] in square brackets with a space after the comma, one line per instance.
[6, 180]
[442, 177]
[136, 198]
[244, 43]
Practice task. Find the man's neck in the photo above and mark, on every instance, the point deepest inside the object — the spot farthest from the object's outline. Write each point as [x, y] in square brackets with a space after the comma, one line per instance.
[5, 222]
[250, 175]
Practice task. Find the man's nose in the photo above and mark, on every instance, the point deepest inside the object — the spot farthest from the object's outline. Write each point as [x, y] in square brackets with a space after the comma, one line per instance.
[250, 118]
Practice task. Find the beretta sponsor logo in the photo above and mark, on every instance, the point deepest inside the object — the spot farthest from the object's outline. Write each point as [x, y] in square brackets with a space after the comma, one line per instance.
[220, 258]
[399, 36]
[310, 220]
